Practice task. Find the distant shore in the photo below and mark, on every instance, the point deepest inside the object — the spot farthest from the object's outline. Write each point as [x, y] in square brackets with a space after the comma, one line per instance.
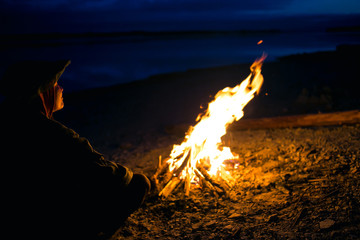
[57, 35]
[7, 38]
[60, 39]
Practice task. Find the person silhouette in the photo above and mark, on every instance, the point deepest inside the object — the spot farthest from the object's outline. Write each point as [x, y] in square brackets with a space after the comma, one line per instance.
[54, 184]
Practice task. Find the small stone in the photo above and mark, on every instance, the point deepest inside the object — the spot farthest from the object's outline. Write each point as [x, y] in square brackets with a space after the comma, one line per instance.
[196, 226]
[327, 223]
[209, 224]
[234, 215]
[228, 227]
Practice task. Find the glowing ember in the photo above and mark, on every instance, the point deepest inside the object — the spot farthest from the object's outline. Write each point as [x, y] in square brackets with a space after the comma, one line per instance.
[202, 144]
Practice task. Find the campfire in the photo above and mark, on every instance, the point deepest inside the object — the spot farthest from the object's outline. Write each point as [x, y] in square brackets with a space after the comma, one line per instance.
[200, 159]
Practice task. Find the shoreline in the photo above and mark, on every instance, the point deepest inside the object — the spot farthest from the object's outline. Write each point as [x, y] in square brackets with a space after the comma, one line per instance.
[57, 39]
[297, 84]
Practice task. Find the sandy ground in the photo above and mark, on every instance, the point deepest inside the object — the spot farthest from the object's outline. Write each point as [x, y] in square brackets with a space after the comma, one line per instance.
[292, 183]
[288, 184]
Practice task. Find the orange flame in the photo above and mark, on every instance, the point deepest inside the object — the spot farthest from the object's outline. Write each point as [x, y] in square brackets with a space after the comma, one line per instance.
[203, 141]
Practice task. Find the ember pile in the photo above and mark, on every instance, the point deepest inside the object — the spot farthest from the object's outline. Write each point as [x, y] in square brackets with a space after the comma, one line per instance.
[290, 183]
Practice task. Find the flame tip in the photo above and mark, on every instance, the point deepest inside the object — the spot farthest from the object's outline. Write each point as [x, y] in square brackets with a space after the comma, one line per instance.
[262, 58]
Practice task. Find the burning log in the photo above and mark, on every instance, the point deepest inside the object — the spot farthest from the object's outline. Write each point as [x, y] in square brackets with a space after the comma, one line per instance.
[202, 144]
[220, 184]
[161, 171]
[172, 184]
[204, 183]
[166, 182]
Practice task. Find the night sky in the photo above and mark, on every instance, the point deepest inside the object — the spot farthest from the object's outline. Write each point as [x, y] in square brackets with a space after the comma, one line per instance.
[43, 16]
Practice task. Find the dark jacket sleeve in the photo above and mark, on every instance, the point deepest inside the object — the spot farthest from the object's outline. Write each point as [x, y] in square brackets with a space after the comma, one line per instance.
[85, 160]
